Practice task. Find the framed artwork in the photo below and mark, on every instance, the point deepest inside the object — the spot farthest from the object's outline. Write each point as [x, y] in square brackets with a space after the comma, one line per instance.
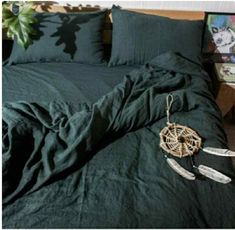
[219, 37]
[225, 72]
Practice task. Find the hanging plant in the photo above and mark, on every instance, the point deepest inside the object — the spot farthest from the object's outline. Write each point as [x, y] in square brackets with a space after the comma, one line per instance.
[18, 18]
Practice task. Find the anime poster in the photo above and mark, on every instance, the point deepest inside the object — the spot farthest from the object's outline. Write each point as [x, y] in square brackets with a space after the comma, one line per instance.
[219, 37]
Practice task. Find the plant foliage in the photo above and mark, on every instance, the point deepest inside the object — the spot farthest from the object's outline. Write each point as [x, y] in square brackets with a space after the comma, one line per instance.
[19, 25]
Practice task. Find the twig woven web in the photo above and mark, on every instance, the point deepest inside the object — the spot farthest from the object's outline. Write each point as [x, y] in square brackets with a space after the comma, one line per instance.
[179, 140]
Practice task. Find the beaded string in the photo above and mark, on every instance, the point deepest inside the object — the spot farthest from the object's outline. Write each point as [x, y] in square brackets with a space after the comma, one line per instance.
[169, 101]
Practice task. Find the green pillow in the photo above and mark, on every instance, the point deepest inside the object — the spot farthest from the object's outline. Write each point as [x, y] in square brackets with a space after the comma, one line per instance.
[137, 37]
[64, 37]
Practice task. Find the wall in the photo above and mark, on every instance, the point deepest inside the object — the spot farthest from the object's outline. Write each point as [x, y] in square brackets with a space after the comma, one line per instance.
[213, 6]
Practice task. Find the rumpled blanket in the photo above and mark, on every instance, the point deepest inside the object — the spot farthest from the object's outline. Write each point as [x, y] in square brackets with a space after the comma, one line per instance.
[43, 143]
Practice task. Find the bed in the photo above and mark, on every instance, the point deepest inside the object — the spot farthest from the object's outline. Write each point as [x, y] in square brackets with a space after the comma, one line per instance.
[81, 144]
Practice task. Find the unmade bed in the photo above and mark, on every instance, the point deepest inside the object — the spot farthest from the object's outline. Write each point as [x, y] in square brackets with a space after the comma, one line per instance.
[81, 146]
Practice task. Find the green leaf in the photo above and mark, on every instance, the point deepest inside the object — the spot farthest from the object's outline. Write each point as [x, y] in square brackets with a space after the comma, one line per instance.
[19, 26]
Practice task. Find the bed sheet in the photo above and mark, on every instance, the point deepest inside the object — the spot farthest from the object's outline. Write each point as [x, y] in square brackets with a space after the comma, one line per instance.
[77, 83]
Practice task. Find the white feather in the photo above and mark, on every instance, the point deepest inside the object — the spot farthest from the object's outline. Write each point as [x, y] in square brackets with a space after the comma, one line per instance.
[180, 170]
[219, 152]
[214, 174]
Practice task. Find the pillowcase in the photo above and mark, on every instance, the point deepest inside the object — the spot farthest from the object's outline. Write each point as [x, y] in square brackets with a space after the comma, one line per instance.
[137, 37]
[64, 37]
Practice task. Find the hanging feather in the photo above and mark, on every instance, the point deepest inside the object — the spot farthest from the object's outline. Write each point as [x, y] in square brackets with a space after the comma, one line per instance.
[213, 174]
[180, 170]
[219, 152]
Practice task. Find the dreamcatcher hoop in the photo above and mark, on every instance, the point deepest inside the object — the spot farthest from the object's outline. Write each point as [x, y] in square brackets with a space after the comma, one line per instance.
[178, 140]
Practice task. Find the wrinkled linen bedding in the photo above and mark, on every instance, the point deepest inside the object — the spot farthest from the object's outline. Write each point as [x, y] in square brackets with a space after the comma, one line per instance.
[99, 165]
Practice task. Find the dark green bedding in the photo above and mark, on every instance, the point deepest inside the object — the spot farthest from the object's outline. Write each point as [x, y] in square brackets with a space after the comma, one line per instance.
[74, 165]
[40, 82]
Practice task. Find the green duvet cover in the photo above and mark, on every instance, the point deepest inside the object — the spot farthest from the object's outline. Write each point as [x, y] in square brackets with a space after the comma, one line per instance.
[68, 164]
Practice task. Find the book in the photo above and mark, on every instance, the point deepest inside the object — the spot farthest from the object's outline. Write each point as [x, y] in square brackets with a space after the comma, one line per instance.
[225, 72]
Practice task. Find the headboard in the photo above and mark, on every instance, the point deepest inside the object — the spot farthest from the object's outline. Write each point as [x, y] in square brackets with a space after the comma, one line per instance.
[107, 33]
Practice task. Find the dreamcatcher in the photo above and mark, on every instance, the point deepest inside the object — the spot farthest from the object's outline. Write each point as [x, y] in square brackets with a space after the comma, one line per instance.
[182, 141]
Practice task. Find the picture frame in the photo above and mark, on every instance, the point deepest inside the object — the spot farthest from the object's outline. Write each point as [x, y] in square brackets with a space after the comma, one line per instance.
[219, 37]
[225, 72]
